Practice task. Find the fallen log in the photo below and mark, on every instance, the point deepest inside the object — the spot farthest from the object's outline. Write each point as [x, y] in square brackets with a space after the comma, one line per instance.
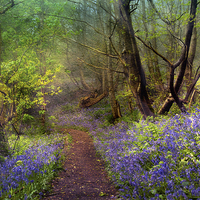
[91, 100]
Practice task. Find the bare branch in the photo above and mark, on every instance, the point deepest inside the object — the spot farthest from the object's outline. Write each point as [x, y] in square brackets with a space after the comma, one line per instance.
[182, 58]
[176, 37]
[154, 7]
[3, 93]
[12, 4]
[113, 29]
[150, 47]
[100, 5]
[78, 20]
[99, 67]
[197, 71]
[118, 54]
[135, 5]
[192, 87]
[89, 47]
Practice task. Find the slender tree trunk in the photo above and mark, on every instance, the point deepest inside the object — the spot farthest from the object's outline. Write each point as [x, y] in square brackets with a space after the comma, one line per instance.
[191, 55]
[169, 101]
[104, 81]
[158, 79]
[83, 82]
[4, 146]
[113, 102]
[148, 51]
[0, 48]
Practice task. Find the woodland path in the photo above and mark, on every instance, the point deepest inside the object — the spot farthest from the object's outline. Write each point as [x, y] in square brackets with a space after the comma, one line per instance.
[85, 176]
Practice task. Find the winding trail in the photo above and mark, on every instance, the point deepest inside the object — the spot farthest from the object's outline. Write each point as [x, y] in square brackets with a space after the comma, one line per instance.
[85, 176]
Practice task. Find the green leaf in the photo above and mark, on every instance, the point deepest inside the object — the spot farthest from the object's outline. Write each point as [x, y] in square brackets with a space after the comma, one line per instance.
[154, 191]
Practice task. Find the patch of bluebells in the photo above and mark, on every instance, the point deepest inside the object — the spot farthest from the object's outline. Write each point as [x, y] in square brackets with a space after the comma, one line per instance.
[89, 118]
[20, 171]
[154, 160]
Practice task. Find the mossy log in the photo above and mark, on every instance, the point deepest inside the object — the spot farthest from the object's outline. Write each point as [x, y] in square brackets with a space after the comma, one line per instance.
[91, 100]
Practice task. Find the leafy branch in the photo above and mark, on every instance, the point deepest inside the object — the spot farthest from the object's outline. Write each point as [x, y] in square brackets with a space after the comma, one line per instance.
[8, 6]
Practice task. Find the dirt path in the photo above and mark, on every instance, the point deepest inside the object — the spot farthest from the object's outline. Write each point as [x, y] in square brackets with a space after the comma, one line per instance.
[85, 176]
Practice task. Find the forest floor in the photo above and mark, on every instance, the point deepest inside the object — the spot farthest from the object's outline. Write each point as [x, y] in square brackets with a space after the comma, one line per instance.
[84, 176]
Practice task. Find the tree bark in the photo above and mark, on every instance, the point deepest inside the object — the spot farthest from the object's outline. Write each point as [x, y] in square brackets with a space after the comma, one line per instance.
[4, 145]
[1, 43]
[83, 82]
[113, 102]
[191, 55]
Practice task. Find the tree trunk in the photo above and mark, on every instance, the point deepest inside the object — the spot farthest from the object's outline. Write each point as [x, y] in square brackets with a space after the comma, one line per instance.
[169, 101]
[133, 68]
[191, 55]
[148, 51]
[158, 79]
[113, 102]
[1, 43]
[83, 82]
[4, 146]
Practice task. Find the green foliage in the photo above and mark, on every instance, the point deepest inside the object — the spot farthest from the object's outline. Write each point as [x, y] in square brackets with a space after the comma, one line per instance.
[23, 85]
[174, 110]
[30, 55]
[27, 118]
[134, 116]
[30, 139]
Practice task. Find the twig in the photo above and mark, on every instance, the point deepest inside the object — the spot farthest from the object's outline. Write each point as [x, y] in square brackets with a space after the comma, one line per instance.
[78, 20]
[150, 47]
[99, 67]
[89, 47]
[12, 4]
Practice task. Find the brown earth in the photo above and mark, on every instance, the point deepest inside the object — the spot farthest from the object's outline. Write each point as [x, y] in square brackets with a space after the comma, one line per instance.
[84, 176]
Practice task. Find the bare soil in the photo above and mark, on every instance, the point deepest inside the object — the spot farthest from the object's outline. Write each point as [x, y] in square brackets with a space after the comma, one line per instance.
[84, 176]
